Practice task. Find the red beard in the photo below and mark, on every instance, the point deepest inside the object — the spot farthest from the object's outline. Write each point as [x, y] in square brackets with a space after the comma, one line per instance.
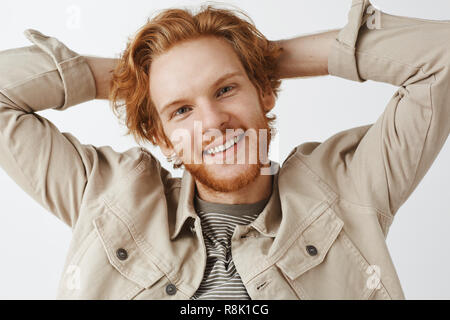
[204, 173]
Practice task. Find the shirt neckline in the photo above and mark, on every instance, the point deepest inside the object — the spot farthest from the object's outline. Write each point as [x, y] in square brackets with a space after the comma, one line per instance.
[202, 206]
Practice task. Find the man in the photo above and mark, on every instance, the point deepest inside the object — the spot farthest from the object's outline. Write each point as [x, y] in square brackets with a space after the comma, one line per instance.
[236, 225]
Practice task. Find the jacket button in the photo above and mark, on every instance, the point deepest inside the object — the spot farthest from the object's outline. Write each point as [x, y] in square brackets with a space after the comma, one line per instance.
[122, 254]
[311, 250]
[171, 289]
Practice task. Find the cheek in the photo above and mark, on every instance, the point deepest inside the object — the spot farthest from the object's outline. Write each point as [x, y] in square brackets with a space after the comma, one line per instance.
[190, 146]
[254, 110]
[253, 116]
[246, 110]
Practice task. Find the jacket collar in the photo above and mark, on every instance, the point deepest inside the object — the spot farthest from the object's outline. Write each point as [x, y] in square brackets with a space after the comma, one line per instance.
[266, 223]
[298, 197]
[185, 207]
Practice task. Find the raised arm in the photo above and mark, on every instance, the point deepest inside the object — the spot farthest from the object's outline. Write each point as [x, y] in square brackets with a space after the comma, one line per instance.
[380, 165]
[101, 70]
[306, 55]
[53, 167]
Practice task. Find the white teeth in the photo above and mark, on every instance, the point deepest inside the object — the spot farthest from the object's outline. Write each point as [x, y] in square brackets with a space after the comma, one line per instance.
[223, 147]
[229, 144]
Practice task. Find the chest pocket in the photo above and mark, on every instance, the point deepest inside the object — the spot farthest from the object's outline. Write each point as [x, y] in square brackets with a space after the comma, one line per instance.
[323, 263]
[109, 264]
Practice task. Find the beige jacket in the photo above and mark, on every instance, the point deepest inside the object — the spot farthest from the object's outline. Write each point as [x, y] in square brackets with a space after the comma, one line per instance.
[321, 235]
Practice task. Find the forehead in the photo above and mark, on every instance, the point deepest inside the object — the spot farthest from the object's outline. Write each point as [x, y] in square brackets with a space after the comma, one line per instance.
[189, 67]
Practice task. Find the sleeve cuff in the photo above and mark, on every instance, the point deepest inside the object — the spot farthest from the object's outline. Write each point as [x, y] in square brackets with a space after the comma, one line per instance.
[342, 58]
[77, 77]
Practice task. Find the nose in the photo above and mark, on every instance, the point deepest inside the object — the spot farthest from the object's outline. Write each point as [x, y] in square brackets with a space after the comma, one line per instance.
[213, 116]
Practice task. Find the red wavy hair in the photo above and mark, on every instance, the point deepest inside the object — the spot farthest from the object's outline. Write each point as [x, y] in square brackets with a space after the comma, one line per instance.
[129, 87]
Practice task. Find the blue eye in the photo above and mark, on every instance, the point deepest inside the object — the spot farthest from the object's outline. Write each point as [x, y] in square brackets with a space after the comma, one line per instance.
[182, 108]
[224, 90]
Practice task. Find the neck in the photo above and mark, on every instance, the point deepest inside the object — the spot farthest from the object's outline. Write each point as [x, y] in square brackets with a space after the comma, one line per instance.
[257, 190]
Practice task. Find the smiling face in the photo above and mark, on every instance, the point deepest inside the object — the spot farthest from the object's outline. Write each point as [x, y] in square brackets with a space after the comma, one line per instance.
[206, 103]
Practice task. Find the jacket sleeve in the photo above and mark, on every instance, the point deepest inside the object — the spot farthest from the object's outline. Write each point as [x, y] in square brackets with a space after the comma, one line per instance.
[52, 167]
[380, 165]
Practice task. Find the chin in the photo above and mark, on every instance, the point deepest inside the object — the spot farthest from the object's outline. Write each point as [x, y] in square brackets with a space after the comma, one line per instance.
[224, 177]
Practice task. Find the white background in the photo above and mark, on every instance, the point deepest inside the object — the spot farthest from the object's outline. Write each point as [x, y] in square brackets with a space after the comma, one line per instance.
[33, 243]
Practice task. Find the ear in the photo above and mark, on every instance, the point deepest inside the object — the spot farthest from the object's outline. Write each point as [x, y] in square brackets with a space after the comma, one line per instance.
[268, 99]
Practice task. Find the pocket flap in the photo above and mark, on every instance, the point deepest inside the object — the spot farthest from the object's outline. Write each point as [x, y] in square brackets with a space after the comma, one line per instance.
[320, 234]
[134, 263]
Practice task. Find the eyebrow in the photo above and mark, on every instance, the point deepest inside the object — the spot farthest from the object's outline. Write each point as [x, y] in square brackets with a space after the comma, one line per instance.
[216, 83]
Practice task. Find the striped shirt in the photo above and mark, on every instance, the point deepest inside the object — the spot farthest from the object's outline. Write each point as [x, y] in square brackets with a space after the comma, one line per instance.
[218, 221]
